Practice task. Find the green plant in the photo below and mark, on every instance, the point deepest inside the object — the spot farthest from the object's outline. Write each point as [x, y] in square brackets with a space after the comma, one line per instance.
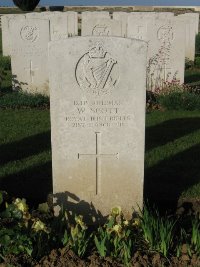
[197, 62]
[26, 5]
[158, 231]
[5, 63]
[101, 242]
[195, 235]
[197, 43]
[114, 238]
[15, 241]
[78, 239]
[189, 63]
[178, 97]
[23, 100]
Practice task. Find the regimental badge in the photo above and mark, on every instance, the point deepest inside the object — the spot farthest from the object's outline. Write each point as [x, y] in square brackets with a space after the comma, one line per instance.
[29, 33]
[97, 71]
[101, 30]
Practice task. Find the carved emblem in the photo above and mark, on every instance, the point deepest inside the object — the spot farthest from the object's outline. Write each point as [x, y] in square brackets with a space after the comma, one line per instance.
[101, 30]
[165, 33]
[97, 71]
[29, 33]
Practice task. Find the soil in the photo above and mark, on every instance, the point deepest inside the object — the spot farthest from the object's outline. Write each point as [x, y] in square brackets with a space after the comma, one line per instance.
[66, 258]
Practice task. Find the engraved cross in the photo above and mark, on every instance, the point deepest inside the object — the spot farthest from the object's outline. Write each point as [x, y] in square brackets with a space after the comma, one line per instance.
[31, 71]
[98, 155]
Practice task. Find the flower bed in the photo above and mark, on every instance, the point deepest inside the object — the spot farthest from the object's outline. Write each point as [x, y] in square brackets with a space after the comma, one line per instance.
[38, 238]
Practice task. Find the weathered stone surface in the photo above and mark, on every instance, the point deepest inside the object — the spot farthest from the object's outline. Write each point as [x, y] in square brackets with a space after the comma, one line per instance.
[87, 16]
[59, 27]
[166, 48]
[72, 22]
[191, 21]
[123, 17]
[166, 56]
[195, 16]
[65, 23]
[97, 121]
[29, 54]
[101, 27]
[6, 40]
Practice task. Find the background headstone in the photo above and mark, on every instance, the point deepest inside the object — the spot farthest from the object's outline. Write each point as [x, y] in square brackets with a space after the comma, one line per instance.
[166, 47]
[6, 40]
[87, 16]
[190, 36]
[29, 54]
[98, 123]
[101, 27]
[123, 17]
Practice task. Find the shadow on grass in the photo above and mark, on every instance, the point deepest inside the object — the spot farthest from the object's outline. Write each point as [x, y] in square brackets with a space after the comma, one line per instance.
[164, 182]
[163, 185]
[34, 183]
[26, 147]
[169, 131]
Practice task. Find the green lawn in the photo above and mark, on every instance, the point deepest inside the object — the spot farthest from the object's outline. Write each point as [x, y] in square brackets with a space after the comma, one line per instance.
[172, 160]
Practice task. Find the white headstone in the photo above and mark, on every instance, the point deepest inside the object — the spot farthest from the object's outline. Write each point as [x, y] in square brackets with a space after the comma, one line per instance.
[98, 123]
[29, 54]
[190, 23]
[166, 48]
[59, 27]
[72, 22]
[87, 16]
[196, 17]
[166, 56]
[123, 17]
[62, 24]
[6, 40]
[101, 27]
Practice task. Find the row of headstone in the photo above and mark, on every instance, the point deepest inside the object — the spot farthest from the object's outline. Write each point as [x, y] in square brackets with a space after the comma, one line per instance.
[170, 39]
[97, 92]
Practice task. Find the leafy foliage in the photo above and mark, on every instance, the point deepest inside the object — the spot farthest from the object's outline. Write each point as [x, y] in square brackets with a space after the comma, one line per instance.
[176, 97]
[23, 100]
[197, 44]
[35, 233]
[5, 63]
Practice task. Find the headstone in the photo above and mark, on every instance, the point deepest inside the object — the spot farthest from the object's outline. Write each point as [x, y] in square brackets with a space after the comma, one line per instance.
[166, 48]
[59, 27]
[123, 17]
[72, 22]
[62, 24]
[195, 16]
[166, 57]
[29, 54]
[98, 123]
[190, 23]
[101, 27]
[6, 40]
[87, 16]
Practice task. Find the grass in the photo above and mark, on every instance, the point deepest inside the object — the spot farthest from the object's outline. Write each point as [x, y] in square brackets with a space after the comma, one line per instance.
[25, 153]
[172, 155]
[171, 161]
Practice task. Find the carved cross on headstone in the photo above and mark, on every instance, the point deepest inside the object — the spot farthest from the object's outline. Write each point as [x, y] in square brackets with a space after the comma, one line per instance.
[98, 155]
[31, 71]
